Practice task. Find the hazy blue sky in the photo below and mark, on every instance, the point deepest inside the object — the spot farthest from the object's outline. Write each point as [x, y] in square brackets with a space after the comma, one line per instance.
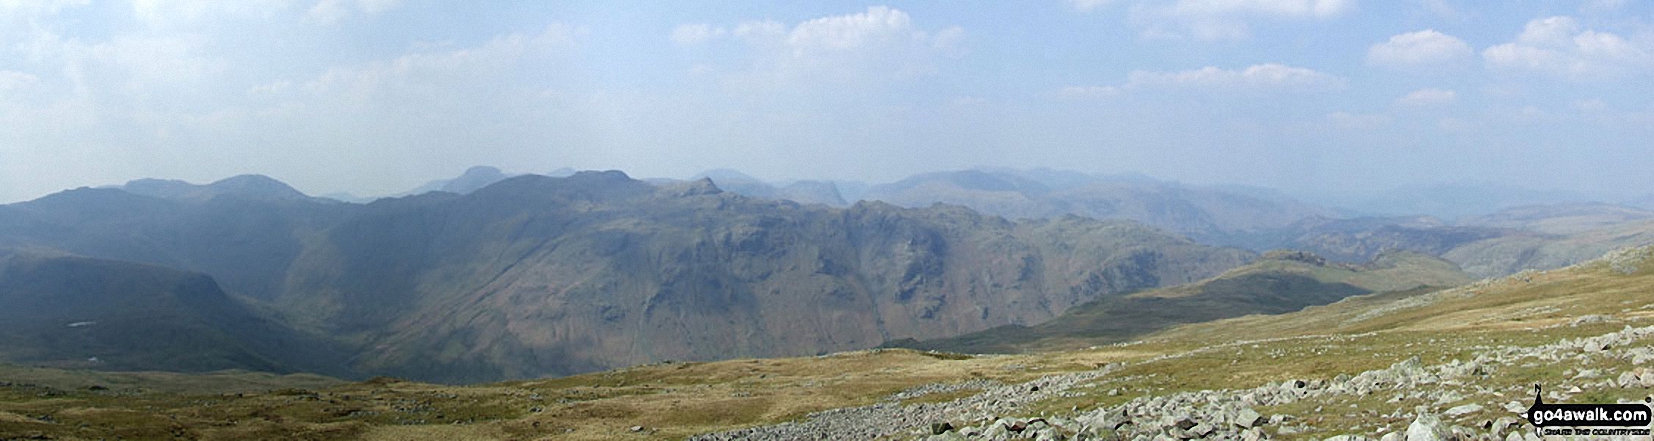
[377, 96]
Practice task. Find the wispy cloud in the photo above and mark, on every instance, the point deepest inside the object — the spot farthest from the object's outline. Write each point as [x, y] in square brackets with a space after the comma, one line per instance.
[1426, 49]
[1559, 46]
[1268, 76]
[1428, 98]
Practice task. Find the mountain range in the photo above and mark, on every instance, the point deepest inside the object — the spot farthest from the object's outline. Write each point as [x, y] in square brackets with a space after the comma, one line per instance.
[535, 275]
[491, 276]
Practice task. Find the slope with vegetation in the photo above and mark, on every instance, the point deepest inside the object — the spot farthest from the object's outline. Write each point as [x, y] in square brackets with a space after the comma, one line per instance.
[1281, 281]
[70, 311]
[1455, 362]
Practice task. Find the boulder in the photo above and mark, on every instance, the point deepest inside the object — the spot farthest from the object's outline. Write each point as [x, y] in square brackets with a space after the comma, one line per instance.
[1248, 418]
[1427, 427]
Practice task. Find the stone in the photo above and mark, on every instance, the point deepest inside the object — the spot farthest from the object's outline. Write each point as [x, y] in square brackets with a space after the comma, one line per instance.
[1248, 418]
[1463, 409]
[637, 428]
[1502, 424]
[1594, 346]
[1427, 427]
[1392, 436]
[940, 428]
[1183, 422]
[1202, 429]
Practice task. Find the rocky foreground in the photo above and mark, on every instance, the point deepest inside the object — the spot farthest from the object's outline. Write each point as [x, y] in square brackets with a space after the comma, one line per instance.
[993, 414]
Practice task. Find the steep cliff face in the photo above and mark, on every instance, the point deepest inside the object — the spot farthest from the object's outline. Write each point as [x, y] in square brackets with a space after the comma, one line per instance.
[539, 276]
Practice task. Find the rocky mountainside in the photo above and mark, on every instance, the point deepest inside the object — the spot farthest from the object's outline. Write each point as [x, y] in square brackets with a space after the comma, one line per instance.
[1280, 282]
[545, 276]
[537, 276]
[803, 192]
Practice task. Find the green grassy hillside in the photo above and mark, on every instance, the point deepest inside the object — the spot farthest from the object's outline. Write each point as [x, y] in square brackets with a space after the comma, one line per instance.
[68, 311]
[1280, 282]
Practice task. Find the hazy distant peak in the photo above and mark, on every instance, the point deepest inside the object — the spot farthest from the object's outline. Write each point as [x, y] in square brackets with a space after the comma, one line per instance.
[980, 180]
[256, 185]
[600, 176]
[702, 186]
[473, 179]
[726, 175]
[604, 185]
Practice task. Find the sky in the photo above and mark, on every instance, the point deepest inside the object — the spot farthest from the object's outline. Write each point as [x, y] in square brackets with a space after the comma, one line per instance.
[376, 97]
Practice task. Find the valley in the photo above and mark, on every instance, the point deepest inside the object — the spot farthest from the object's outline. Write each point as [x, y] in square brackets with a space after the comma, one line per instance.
[1370, 365]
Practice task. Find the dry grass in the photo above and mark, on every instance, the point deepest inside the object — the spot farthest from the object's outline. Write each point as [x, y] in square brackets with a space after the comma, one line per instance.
[679, 399]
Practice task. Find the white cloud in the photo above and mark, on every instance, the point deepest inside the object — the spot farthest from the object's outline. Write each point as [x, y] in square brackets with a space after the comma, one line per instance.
[878, 44]
[164, 13]
[1088, 91]
[332, 11]
[436, 68]
[1364, 121]
[1558, 46]
[1429, 98]
[1256, 77]
[877, 25]
[36, 8]
[14, 80]
[696, 34]
[1223, 19]
[1087, 5]
[1280, 8]
[1422, 49]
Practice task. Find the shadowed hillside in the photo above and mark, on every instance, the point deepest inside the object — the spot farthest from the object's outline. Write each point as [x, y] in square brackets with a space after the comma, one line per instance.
[90, 313]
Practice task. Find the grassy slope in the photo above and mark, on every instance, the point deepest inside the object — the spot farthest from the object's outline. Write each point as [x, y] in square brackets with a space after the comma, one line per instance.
[1268, 286]
[672, 400]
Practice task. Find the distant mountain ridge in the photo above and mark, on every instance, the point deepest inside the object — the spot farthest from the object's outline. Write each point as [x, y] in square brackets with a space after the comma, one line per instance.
[250, 186]
[1211, 215]
[535, 276]
[804, 192]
